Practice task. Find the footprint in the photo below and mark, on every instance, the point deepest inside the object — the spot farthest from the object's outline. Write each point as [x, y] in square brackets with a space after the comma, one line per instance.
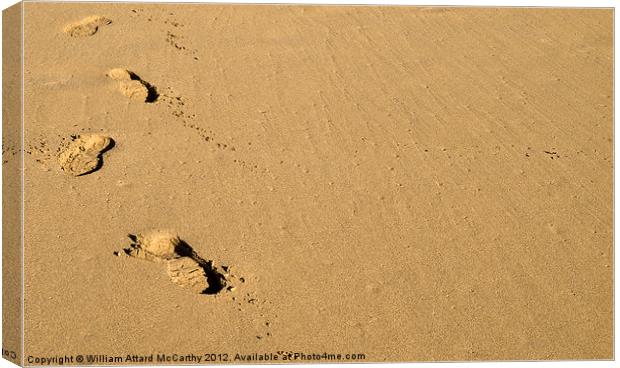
[184, 266]
[87, 26]
[83, 154]
[132, 86]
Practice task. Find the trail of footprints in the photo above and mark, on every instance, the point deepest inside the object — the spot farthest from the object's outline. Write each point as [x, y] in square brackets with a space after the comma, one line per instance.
[82, 153]
[176, 104]
[136, 89]
[173, 37]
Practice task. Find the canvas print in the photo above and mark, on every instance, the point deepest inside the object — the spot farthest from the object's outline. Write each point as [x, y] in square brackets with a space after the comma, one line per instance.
[234, 183]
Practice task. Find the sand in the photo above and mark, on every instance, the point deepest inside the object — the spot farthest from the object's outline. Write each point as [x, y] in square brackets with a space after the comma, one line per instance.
[411, 184]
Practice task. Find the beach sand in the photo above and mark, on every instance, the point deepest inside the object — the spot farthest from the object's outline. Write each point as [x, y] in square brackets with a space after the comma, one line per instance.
[411, 184]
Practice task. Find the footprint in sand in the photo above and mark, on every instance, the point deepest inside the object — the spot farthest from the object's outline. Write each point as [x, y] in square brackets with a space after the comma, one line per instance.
[83, 153]
[184, 266]
[132, 86]
[87, 26]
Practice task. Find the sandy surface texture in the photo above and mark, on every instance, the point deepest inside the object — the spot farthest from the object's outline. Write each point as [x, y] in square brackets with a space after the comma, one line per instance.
[406, 183]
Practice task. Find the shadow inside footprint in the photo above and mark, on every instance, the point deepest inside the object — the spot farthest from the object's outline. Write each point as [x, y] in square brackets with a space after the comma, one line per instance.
[83, 154]
[216, 280]
[153, 95]
[131, 85]
[184, 266]
[99, 164]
